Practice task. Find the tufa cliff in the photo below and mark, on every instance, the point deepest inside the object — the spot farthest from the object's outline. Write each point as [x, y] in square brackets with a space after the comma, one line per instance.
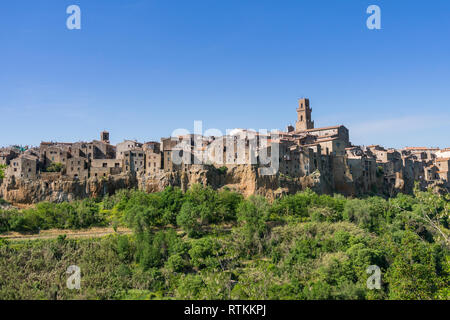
[244, 179]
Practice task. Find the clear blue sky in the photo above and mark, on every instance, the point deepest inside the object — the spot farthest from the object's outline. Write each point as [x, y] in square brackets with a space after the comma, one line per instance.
[142, 68]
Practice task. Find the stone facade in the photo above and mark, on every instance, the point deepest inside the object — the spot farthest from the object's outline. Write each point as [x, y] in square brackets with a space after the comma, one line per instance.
[306, 154]
[77, 168]
[24, 167]
[304, 116]
[6, 154]
[125, 146]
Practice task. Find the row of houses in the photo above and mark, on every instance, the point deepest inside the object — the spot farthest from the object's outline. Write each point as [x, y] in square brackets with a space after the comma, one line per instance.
[296, 152]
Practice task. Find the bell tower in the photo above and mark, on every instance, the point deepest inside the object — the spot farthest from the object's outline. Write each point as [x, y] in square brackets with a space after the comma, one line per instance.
[304, 116]
[104, 136]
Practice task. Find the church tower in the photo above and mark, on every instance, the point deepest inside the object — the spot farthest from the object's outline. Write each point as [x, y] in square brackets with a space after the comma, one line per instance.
[104, 136]
[304, 116]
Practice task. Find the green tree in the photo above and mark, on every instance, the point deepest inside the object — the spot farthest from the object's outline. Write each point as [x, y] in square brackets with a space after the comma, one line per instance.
[412, 274]
[171, 202]
[252, 214]
[55, 167]
[435, 211]
[204, 253]
[189, 219]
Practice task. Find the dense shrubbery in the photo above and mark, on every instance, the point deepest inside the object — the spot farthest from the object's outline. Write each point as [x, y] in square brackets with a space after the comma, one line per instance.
[207, 244]
[2, 171]
[45, 215]
[55, 167]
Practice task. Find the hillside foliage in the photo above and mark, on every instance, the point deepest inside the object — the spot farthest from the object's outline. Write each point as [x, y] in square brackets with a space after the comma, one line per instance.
[206, 244]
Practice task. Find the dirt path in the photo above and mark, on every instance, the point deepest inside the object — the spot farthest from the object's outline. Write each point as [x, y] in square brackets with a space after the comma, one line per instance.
[75, 234]
[70, 234]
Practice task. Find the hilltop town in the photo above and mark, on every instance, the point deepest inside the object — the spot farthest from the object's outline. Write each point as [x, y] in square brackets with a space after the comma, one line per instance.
[323, 159]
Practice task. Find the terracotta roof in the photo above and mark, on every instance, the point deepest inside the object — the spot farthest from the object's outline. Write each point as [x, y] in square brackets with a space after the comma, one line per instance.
[327, 140]
[442, 159]
[319, 142]
[324, 128]
[420, 148]
[29, 157]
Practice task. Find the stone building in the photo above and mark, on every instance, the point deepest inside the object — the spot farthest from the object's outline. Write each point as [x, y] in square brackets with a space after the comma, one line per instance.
[333, 140]
[77, 168]
[127, 145]
[322, 153]
[81, 149]
[134, 161]
[296, 161]
[153, 158]
[168, 145]
[25, 167]
[444, 153]
[443, 165]
[431, 173]
[105, 167]
[7, 154]
[304, 116]
[101, 150]
[422, 152]
[104, 136]
[360, 170]
[53, 152]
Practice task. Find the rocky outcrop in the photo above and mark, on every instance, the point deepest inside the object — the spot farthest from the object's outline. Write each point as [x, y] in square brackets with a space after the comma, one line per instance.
[59, 189]
[244, 179]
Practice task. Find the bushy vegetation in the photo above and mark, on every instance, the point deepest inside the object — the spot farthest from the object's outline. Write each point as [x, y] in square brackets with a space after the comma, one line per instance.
[2, 171]
[45, 215]
[207, 244]
[55, 167]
